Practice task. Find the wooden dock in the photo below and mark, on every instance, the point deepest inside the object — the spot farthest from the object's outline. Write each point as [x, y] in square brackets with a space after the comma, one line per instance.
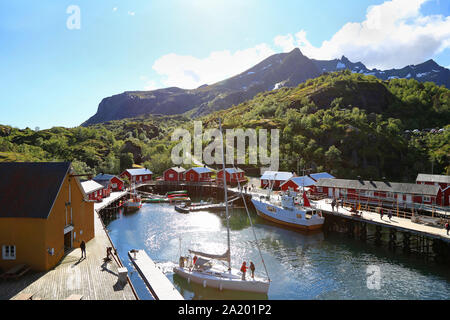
[396, 222]
[158, 284]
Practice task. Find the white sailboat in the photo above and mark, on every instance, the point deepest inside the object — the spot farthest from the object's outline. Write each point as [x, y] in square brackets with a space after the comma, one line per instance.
[208, 273]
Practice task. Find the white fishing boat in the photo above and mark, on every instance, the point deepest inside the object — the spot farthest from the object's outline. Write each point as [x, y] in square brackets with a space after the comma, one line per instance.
[206, 270]
[291, 210]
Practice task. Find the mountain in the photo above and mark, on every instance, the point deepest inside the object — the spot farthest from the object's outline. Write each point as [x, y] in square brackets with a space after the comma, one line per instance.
[279, 70]
[427, 71]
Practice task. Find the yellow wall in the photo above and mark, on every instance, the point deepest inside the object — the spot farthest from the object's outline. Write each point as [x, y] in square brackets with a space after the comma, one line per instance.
[33, 237]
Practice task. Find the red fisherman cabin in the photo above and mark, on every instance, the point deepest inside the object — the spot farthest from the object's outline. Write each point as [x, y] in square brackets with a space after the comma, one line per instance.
[274, 179]
[198, 174]
[93, 190]
[174, 174]
[232, 176]
[137, 175]
[441, 181]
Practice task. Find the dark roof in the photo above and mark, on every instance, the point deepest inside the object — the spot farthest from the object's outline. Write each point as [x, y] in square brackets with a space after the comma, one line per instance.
[383, 186]
[101, 177]
[422, 177]
[29, 189]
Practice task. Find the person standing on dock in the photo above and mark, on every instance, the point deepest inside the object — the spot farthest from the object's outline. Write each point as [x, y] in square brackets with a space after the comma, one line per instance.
[83, 249]
[333, 203]
[252, 269]
[447, 227]
[381, 213]
[243, 270]
[390, 215]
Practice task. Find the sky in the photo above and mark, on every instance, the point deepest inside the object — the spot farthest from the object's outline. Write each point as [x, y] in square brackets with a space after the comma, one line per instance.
[59, 59]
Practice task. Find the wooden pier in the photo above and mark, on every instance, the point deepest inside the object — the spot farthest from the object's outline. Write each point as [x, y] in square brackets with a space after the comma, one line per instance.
[158, 284]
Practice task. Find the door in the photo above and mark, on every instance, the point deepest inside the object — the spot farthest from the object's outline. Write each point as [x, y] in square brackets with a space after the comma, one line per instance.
[330, 192]
[68, 240]
[408, 198]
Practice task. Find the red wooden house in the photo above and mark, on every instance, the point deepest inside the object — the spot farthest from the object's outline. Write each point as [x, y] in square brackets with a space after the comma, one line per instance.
[232, 176]
[174, 174]
[114, 182]
[93, 190]
[137, 175]
[378, 192]
[275, 179]
[441, 181]
[298, 183]
[198, 174]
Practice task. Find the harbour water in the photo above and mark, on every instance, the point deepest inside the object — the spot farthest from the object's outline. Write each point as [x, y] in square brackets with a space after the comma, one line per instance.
[301, 266]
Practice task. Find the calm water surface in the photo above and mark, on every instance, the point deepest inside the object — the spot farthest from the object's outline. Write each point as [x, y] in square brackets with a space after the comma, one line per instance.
[300, 266]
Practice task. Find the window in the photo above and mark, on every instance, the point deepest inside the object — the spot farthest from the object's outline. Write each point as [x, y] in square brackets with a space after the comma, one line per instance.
[426, 199]
[9, 252]
[319, 189]
[170, 175]
[343, 192]
[389, 195]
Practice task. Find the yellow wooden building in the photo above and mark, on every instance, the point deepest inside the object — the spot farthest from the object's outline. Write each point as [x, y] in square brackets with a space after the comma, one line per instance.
[43, 213]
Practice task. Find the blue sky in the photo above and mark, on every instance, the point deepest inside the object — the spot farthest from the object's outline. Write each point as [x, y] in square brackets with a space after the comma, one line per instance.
[55, 76]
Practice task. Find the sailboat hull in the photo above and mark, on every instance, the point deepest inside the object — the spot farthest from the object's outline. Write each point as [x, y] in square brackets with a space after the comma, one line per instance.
[225, 282]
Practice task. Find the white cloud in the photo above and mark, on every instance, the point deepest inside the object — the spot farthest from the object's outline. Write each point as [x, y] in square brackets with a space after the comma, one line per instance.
[394, 34]
[114, 9]
[131, 13]
[191, 72]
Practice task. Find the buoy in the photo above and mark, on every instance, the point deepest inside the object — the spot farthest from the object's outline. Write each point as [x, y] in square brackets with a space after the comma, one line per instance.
[204, 283]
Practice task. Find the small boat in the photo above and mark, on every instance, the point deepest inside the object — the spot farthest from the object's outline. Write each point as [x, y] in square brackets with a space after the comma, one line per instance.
[134, 202]
[182, 209]
[155, 200]
[177, 192]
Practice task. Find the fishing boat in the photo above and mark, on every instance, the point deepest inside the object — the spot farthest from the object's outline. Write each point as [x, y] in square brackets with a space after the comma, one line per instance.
[291, 210]
[134, 202]
[205, 270]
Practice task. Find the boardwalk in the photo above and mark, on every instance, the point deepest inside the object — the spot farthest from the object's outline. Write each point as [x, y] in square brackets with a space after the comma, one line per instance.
[154, 278]
[396, 222]
[90, 277]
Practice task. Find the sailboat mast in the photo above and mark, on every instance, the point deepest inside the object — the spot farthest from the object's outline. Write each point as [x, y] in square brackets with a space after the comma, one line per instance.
[226, 197]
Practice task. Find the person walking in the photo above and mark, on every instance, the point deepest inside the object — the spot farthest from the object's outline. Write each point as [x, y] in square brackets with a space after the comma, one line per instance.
[447, 227]
[333, 203]
[390, 215]
[83, 249]
[243, 270]
[381, 213]
[252, 269]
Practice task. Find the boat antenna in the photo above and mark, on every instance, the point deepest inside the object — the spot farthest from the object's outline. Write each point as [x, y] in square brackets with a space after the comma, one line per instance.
[251, 224]
[226, 196]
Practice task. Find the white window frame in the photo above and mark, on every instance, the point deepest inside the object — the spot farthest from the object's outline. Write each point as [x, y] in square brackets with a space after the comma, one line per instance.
[170, 175]
[426, 199]
[6, 252]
